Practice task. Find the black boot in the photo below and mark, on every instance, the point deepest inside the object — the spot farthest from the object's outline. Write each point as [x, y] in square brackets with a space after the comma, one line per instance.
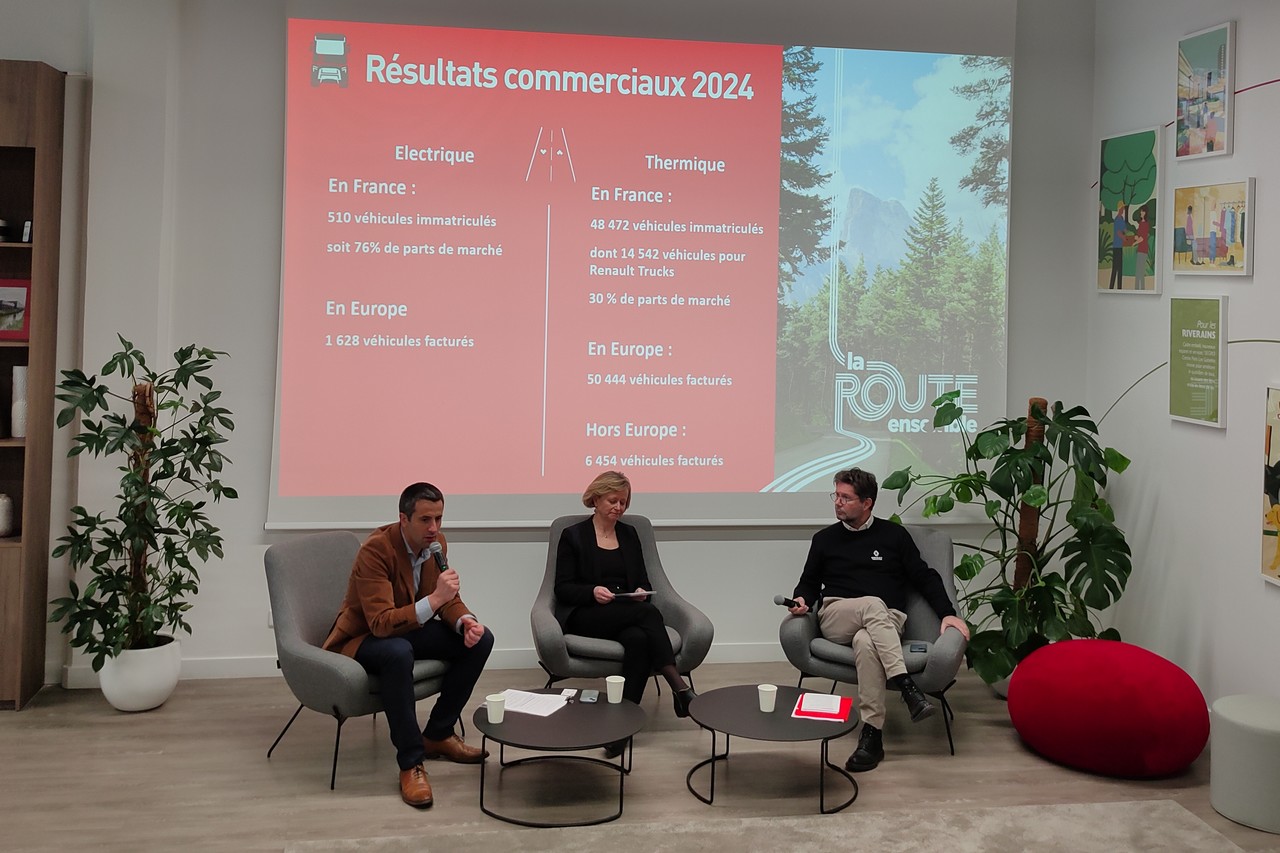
[917, 703]
[613, 750]
[870, 751]
[680, 699]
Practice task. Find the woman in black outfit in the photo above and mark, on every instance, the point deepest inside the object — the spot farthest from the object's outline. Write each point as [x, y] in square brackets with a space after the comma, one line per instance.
[598, 561]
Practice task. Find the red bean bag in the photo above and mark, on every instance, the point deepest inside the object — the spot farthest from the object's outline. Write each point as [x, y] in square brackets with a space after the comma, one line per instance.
[1108, 707]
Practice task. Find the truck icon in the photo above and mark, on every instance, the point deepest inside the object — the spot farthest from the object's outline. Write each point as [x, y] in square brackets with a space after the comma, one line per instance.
[329, 59]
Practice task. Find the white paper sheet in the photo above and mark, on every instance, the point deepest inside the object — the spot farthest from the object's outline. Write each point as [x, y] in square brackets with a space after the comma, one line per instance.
[538, 704]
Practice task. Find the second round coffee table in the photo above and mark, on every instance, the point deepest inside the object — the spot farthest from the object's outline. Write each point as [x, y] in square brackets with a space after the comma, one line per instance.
[735, 711]
[576, 726]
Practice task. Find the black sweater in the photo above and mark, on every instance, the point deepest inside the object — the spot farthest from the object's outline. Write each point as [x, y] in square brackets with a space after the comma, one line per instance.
[881, 561]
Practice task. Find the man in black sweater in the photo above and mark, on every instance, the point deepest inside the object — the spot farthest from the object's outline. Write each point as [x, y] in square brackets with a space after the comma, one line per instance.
[859, 569]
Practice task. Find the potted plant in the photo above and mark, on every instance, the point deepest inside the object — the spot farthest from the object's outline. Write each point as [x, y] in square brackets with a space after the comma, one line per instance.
[166, 429]
[1053, 556]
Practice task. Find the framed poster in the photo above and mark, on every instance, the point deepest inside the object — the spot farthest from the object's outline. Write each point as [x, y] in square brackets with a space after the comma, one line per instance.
[1213, 229]
[15, 324]
[1198, 360]
[1128, 186]
[1271, 489]
[1206, 92]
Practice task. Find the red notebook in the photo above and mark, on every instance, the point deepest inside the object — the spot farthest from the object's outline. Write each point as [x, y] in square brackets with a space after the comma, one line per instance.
[817, 711]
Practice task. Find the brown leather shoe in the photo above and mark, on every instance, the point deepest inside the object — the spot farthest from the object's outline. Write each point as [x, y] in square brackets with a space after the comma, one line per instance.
[454, 749]
[415, 787]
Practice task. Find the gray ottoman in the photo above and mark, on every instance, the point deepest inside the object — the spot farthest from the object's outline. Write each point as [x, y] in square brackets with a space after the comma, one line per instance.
[1244, 764]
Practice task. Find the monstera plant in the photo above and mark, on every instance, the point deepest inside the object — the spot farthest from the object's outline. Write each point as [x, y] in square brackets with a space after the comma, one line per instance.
[1052, 557]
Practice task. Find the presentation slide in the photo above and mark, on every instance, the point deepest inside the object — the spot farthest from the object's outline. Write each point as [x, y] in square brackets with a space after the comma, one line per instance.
[514, 260]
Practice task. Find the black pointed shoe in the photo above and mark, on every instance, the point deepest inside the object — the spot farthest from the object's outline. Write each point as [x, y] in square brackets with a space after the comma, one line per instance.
[870, 751]
[918, 704]
[680, 699]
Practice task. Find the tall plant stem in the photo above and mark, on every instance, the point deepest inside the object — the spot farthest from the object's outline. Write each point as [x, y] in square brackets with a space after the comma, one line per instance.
[144, 414]
[1029, 516]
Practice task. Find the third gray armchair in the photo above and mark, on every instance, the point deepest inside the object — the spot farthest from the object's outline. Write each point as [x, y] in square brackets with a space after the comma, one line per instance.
[933, 669]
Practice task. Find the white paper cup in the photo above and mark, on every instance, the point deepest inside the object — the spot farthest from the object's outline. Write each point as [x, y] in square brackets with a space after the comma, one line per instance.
[496, 704]
[613, 687]
[768, 697]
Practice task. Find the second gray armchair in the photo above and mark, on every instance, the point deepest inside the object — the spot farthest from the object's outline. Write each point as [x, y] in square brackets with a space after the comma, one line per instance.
[571, 656]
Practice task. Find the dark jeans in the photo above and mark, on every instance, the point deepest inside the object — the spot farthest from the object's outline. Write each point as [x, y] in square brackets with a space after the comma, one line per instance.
[638, 626]
[391, 659]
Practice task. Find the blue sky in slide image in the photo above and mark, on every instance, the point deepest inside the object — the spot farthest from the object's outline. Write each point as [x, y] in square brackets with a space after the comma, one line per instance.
[891, 116]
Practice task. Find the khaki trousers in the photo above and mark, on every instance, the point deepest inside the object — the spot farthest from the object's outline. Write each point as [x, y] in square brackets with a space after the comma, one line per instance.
[875, 631]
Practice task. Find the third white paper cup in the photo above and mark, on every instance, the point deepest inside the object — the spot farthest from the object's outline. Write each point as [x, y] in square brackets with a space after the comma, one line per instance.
[768, 696]
[613, 687]
[496, 704]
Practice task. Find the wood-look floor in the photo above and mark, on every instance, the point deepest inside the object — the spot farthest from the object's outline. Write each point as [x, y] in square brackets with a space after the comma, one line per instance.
[193, 775]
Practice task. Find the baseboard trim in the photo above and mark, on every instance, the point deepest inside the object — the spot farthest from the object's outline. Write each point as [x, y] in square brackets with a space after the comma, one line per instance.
[80, 676]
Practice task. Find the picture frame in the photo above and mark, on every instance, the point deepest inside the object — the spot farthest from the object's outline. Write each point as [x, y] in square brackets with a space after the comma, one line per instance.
[15, 319]
[1206, 92]
[1212, 232]
[1271, 489]
[1198, 360]
[1129, 180]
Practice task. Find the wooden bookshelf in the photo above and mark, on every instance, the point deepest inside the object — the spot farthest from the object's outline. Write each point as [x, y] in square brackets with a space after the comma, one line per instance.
[31, 117]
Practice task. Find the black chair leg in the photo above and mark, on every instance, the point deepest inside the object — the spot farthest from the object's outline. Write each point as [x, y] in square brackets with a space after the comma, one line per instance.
[337, 737]
[285, 729]
[947, 716]
[552, 678]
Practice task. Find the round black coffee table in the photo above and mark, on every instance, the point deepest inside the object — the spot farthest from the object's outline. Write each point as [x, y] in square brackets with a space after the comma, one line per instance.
[576, 726]
[735, 711]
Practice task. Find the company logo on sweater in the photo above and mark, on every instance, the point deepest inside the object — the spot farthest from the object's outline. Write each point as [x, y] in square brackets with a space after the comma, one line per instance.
[875, 555]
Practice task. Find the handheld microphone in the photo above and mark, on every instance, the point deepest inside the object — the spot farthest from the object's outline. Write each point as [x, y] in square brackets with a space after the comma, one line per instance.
[438, 552]
[785, 602]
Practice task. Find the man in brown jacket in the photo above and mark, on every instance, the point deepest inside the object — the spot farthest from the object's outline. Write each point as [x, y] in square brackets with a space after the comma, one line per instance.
[402, 605]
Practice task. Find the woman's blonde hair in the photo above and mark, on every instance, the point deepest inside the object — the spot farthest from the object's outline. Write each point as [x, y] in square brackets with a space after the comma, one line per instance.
[606, 483]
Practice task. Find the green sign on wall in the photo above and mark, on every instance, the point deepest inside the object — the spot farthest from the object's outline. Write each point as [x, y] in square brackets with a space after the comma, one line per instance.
[1198, 359]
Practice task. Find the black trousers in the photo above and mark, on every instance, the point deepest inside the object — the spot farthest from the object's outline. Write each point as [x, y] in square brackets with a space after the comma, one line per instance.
[638, 626]
[391, 659]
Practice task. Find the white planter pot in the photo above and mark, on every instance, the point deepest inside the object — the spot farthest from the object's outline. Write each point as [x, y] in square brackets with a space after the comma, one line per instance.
[141, 679]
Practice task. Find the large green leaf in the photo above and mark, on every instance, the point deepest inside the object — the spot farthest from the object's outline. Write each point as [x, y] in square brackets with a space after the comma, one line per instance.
[991, 656]
[1097, 561]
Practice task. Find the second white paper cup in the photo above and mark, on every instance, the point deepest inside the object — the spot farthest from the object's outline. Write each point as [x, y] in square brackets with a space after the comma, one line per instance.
[613, 687]
[768, 697]
[496, 704]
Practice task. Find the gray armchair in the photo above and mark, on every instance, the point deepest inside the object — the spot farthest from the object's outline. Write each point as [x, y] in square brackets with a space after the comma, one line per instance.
[572, 656]
[933, 670]
[306, 579]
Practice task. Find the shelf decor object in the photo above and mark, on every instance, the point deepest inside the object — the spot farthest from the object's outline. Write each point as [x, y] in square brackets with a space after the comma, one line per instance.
[14, 319]
[18, 408]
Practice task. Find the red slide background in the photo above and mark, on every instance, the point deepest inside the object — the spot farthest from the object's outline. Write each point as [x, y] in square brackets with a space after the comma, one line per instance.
[509, 400]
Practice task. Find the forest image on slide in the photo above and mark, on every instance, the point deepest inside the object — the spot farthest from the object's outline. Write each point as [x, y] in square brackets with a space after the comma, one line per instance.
[923, 291]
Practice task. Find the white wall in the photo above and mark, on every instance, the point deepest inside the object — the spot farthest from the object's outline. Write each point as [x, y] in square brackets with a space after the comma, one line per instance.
[1191, 501]
[183, 225]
